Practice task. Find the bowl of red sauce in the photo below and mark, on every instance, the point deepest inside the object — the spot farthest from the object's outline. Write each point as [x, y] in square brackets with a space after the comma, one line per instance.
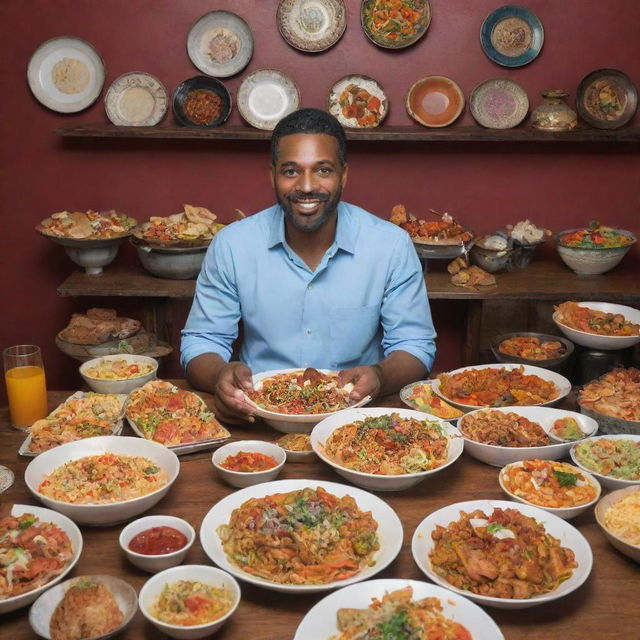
[155, 543]
[248, 462]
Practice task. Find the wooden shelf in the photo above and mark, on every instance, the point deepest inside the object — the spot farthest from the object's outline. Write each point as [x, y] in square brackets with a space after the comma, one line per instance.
[384, 134]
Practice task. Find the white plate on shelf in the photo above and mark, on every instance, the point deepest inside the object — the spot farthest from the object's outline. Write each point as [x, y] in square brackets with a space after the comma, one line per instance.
[136, 99]
[66, 74]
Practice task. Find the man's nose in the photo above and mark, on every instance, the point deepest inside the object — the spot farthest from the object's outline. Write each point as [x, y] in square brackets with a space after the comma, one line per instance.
[306, 181]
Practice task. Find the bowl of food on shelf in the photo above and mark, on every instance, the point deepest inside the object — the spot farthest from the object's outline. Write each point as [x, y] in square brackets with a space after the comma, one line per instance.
[295, 400]
[595, 249]
[526, 238]
[504, 435]
[121, 373]
[557, 487]
[493, 253]
[71, 478]
[614, 459]
[297, 446]
[443, 238]
[358, 102]
[598, 325]
[155, 543]
[247, 462]
[435, 101]
[617, 515]
[202, 102]
[613, 400]
[384, 449]
[420, 396]
[74, 605]
[532, 348]
[90, 238]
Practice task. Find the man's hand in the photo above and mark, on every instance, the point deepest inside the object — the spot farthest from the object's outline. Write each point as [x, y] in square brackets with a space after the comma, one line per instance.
[232, 381]
[367, 381]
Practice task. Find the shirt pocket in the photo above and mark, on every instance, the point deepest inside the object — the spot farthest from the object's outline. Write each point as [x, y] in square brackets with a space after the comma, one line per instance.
[352, 330]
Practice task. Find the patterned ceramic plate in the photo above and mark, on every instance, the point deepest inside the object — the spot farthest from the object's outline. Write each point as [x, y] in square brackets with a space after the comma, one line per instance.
[312, 25]
[66, 74]
[136, 99]
[395, 32]
[220, 44]
[266, 96]
[512, 36]
[499, 103]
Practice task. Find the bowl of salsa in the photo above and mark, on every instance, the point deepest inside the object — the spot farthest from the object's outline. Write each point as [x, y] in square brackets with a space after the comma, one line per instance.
[248, 462]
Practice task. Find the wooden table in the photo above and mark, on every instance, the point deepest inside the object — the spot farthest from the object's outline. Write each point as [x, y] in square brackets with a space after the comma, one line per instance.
[604, 608]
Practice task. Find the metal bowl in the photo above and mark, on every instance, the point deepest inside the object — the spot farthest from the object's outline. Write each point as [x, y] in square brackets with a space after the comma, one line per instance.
[174, 263]
[550, 363]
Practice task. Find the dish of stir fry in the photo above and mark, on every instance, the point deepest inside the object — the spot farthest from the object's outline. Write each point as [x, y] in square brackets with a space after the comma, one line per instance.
[497, 387]
[445, 231]
[532, 348]
[309, 536]
[398, 616]
[395, 23]
[596, 236]
[503, 429]
[32, 553]
[504, 554]
[582, 318]
[389, 445]
[616, 394]
[301, 392]
[89, 225]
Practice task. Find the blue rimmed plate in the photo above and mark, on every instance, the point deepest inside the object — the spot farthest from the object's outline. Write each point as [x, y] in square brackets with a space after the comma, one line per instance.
[512, 36]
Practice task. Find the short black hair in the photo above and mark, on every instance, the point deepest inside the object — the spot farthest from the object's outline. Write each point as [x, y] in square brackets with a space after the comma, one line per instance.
[309, 120]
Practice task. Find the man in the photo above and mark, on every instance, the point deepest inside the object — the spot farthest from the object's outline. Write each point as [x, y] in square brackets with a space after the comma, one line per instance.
[316, 282]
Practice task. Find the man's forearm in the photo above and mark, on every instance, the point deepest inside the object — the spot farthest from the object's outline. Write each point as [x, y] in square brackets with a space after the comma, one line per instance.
[203, 370]
[397, 370]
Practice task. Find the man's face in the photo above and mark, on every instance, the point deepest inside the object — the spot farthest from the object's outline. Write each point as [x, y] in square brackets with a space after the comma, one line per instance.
[308, 179]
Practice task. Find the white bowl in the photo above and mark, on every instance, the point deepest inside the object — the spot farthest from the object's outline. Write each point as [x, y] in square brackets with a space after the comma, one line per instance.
[378, 482]
[422, 544]
[595, 341]
[152, 589]
[159, 562]
[389, 531]
[102, 514]
[75, 537]
[287, 423]
[566, 513]
[100, 385]
[320, 622]
[545, 417]
[123, 593]
[243, 479]
[631, 550]
[609, 482]
[592, 261]
[562, 384]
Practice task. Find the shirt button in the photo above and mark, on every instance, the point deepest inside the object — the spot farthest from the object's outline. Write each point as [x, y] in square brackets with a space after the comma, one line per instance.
[308, 332]
[310, 286]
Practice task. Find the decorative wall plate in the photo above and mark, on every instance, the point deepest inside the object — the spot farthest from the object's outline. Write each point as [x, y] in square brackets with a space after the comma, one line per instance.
[136, 99]
[358, 101]
[399, 32]
[435, 101]
[311, 25]
[499, 103]
[201, 87]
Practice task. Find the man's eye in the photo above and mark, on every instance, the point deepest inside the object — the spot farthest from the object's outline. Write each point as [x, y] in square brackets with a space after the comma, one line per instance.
[325, 171]
[289, 173]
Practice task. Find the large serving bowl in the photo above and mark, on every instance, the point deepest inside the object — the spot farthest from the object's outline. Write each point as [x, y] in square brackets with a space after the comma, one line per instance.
[590, 262]
[102, 514]
[545, 417]
[321, 622]
[152, 589]
[596, 341]
[611, 424]
[243, 479]
[562, 384]
[377, 482]
[389, 531]
[103, 385]
[607, 481]
[289, 423]
[422, 544]
[75, 537]
[548, 363]
[631, 550]
[174, 263]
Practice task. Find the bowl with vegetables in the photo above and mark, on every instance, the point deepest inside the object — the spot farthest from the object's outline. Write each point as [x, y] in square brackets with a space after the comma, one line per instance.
[248, 462]
[121, 373]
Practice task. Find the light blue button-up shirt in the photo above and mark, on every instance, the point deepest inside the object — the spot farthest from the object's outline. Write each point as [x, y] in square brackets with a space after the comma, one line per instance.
[365, 299]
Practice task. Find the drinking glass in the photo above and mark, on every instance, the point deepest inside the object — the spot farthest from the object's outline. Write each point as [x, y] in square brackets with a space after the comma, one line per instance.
[26, 385]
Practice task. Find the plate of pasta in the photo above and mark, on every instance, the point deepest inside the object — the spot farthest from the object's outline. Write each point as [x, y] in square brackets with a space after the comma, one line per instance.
[269, 534]
[428, 611]
[383, 449]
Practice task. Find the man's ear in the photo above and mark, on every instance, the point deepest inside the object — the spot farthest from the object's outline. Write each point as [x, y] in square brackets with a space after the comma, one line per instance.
[272, 177]
[345, 174]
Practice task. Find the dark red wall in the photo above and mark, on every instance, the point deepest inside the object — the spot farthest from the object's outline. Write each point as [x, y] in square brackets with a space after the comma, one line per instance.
[485, 186]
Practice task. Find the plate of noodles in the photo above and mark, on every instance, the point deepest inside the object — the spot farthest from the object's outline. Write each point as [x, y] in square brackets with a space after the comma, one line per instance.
[295, 400]
[618, 514]
[360, 535]
[429, 610]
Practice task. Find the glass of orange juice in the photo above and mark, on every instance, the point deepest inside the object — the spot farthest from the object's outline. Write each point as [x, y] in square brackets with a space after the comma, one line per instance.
[26, 385]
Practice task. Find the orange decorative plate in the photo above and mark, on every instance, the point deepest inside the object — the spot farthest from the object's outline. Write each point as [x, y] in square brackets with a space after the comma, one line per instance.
[435, 101]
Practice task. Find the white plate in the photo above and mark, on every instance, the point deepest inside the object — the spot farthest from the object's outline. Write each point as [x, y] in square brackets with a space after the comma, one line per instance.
[389, 531]
[231, 39]
[595, 341]
[569, 536]
[66, 74]
[320, 622]
[289, 423]
[379, 482]
[563, 385]
[136, 99]
[545, 417]
[45, 515]
[266, 96]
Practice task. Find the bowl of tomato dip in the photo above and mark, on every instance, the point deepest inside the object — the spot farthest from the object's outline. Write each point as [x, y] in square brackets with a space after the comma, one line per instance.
[155, 543]
[248, 462]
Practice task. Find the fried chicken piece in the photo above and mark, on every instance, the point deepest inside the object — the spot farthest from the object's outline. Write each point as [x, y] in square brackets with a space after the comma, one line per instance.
[399, 215]
[98, 326]
[473, 277]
